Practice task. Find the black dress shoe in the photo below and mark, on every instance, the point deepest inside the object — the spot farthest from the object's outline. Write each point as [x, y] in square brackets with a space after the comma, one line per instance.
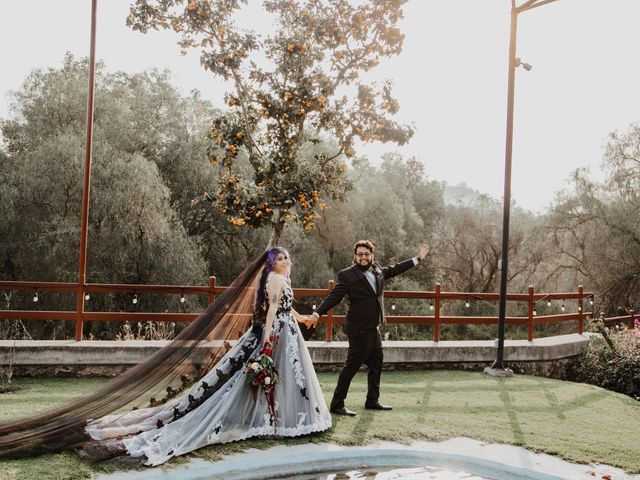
[377, 406]
[344, 411]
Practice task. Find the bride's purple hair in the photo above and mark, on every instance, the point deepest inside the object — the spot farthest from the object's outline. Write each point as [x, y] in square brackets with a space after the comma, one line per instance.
[272, 255]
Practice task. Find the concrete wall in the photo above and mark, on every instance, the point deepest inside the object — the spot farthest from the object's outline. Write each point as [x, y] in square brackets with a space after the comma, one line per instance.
[545, 356]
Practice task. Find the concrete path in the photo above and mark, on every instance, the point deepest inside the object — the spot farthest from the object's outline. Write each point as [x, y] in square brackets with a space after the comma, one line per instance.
[489, 460]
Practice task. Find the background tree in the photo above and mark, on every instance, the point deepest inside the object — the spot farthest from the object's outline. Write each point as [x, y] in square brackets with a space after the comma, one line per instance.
[150, 224]
[394, 205]
[305, 90]
[467, 249]
[597, 225]
[468, 245]
[135, 236]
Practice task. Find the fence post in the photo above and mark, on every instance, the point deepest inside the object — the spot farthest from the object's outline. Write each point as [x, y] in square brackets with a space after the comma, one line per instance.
[212, 284]
[580, 309]
[79, 311]
[329, 333]
[632, 314]
[436, 314]
[530, 314]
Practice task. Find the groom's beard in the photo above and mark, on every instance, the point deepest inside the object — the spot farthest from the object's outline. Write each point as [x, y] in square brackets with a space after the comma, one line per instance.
[364, 268]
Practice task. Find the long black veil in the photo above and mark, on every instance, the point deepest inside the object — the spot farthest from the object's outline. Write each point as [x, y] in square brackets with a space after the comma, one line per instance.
[162, 376]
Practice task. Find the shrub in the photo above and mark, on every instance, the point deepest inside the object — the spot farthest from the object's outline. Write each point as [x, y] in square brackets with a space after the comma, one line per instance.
[612, 361]
[147, 331]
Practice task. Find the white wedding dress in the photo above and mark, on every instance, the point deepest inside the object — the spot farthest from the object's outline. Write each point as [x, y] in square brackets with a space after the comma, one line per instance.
[221, 407]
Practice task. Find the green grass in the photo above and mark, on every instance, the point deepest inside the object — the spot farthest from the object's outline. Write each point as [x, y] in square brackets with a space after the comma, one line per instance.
[580, 423]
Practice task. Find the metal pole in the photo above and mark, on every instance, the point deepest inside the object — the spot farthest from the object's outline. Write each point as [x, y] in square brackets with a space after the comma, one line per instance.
[504, 262]
[82, 270]
[506, 212]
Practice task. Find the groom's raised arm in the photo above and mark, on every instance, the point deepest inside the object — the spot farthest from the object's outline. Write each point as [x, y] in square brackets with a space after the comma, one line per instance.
[398, 268]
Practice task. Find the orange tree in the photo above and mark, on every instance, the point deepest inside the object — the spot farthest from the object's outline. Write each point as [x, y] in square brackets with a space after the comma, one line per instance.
[296, 102]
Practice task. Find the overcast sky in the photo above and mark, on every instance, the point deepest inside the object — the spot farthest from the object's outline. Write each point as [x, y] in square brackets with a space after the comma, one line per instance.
[450, 79]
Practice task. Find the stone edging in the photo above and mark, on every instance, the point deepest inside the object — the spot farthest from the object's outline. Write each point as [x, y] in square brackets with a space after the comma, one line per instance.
[544, 356]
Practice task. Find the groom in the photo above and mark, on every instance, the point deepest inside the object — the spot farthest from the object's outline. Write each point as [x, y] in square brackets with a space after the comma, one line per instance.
[363, 284]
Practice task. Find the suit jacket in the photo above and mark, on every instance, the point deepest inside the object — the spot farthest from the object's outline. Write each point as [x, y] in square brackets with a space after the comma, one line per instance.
[366, 307]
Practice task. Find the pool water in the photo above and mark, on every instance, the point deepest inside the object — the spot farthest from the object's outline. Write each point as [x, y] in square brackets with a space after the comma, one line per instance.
[421, 473]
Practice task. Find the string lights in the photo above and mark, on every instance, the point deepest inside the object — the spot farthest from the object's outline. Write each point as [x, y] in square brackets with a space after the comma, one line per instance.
[35, 296]
[182, 299]
[393, 305]
[135, 299]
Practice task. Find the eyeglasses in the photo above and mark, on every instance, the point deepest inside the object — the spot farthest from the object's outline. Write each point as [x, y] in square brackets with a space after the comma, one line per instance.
[364, 254]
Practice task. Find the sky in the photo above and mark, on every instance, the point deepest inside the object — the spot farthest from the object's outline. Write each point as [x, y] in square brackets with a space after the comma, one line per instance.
[450, 80]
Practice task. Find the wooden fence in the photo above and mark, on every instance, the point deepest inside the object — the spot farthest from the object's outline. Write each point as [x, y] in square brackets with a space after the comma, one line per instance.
[433, 301]
[629, 319]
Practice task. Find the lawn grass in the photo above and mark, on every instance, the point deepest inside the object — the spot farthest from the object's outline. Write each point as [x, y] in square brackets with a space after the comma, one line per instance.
[580, 423]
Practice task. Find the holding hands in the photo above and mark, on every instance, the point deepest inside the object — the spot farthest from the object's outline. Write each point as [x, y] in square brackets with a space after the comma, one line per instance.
[309, 320]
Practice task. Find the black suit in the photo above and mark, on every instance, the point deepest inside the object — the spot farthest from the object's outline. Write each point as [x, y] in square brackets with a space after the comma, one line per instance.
[365, 311]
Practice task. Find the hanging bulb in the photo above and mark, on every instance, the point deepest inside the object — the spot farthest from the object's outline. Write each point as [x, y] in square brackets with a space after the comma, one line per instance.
[467, 304]
[591, 302]
[135, 299]
[562, 307]
[393, 306]
[548, 303]
[535, 312]
[579, 308]
[87, 296]
[35, 297]
[313, 307]
[431, 305]
[182, 299]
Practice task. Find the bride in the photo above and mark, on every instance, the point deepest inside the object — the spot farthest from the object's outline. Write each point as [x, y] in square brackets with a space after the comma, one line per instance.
[219, 404]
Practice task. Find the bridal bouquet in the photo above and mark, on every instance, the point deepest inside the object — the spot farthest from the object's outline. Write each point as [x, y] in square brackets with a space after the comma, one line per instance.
[261, 372]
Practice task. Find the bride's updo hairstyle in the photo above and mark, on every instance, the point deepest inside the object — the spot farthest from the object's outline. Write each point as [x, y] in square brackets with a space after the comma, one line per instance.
[272, 255]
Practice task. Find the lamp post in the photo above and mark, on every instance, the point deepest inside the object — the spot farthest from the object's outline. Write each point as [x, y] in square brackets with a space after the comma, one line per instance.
[497, 368]
[86, 184]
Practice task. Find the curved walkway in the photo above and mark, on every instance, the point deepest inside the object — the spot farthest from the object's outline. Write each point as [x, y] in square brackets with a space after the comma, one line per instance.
[492, 460]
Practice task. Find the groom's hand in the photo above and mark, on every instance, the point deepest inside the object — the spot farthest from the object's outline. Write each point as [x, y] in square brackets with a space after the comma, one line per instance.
[422, 252]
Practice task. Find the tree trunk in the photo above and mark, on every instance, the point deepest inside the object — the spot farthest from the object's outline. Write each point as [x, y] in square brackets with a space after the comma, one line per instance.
[275, 236]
